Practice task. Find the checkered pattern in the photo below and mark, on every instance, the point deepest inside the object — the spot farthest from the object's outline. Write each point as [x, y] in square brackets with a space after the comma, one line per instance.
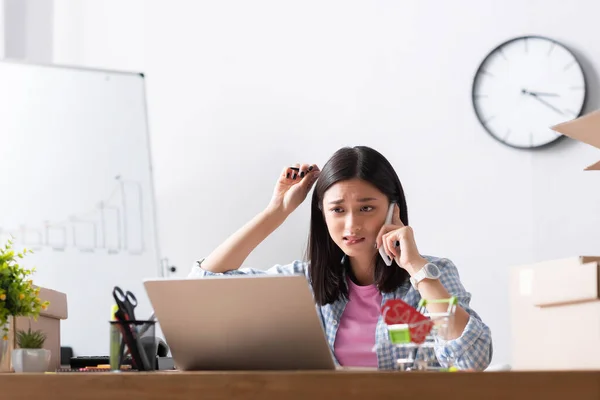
[472, 350]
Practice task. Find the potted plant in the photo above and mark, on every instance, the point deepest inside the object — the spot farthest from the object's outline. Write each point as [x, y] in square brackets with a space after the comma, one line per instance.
[18, 297]
[30, 356]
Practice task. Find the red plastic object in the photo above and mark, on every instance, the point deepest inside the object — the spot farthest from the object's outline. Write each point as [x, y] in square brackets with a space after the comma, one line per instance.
[397, 311]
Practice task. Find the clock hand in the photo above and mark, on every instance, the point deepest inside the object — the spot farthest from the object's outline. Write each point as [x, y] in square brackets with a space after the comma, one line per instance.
[525, 91]
[544, 102]
[544, 94]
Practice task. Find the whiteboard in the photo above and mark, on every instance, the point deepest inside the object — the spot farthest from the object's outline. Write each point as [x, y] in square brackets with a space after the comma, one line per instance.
[76, 188]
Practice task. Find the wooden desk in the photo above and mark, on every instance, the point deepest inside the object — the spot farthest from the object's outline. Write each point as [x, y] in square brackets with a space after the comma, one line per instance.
[303, 385]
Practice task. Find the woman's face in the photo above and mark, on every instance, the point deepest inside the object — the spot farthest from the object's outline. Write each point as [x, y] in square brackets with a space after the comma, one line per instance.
[354, 212]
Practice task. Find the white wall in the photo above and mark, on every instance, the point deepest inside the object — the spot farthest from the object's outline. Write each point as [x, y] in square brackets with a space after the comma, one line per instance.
[28, 30]
[2, 36]
[104, 34]
[238, 89]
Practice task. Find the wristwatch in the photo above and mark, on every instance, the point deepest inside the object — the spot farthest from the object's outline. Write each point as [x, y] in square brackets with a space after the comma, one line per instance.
[429, 271]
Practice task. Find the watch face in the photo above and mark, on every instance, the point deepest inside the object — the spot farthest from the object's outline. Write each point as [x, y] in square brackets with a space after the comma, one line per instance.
[525, 86]
[432, 271]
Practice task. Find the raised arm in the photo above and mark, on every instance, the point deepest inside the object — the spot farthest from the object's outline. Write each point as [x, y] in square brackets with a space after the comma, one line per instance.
[291, 189]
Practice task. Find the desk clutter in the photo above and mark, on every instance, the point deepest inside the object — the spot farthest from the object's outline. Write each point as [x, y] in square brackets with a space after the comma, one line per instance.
[133, 343]
[102, 364]
[48, 323]
[131, 339]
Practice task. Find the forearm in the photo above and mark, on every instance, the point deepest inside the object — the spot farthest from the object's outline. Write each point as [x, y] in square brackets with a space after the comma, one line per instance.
[468, 344]
[434, 290]
[233, 251]
[473, 350]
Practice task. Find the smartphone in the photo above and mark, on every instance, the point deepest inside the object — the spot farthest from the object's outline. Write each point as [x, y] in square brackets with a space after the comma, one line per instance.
[388, 220]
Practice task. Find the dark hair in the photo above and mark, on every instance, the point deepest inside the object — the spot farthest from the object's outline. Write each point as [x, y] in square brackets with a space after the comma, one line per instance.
[326, 270]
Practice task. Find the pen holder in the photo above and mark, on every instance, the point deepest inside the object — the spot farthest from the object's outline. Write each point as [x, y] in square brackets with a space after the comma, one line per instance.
[133, 345]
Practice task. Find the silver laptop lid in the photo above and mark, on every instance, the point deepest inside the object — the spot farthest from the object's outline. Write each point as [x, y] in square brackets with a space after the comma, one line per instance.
[241, 322]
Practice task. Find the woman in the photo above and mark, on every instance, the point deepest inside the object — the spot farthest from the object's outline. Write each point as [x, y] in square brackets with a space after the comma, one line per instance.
[349, 279]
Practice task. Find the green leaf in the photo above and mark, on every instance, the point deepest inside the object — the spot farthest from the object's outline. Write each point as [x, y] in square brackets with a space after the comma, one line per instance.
[31, 339]
[21, 298]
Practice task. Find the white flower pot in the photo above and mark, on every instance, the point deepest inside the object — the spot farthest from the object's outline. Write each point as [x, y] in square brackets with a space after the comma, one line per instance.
[30, 360]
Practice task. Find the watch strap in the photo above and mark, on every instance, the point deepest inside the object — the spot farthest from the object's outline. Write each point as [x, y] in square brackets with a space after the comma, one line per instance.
[420, 275]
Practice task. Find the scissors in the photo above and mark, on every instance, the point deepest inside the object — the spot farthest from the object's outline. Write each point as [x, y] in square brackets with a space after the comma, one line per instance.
[126, 301]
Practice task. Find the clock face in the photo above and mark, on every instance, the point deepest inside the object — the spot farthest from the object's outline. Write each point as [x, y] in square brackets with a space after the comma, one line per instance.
[525, 86]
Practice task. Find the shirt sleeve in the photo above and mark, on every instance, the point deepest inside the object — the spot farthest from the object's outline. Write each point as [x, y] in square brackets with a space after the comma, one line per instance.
[473, 348]
[295, 268]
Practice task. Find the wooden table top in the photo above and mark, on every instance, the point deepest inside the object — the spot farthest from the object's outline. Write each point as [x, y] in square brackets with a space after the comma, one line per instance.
[580, 385]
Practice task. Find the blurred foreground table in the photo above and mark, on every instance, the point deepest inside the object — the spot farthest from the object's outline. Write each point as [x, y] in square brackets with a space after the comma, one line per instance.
[582, 385]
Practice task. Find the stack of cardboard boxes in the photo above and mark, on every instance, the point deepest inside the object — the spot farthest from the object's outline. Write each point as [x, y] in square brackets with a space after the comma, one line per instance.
[555, 305]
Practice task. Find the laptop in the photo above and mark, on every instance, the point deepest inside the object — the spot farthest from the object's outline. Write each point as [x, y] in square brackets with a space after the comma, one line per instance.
[241, 322]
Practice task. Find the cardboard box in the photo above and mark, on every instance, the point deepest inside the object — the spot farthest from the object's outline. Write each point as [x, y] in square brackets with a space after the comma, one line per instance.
[555, 315]
[567, 281]
[49, 322]
[586, 129]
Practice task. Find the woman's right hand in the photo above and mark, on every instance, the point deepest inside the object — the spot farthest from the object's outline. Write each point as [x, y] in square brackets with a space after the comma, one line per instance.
[293, 185]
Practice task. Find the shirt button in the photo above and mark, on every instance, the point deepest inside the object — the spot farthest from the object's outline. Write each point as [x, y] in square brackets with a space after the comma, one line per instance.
[334, 322]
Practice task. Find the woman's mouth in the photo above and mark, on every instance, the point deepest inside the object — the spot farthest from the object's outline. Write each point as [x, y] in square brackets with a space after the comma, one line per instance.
[352, 240]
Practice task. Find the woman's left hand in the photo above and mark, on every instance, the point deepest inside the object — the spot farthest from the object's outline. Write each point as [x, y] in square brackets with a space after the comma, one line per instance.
[399, 243]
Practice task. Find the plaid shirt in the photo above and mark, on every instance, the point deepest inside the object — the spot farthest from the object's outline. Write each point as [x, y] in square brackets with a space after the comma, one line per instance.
[472, 350]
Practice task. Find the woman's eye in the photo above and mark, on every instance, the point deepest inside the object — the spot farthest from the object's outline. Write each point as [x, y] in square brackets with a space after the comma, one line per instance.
[367, 208]
[336, 210]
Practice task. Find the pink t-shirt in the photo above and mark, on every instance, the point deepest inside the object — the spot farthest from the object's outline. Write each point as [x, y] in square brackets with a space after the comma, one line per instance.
[355, 336]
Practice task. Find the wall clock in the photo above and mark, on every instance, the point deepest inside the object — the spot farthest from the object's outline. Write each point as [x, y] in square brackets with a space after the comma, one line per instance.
[526, 85]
